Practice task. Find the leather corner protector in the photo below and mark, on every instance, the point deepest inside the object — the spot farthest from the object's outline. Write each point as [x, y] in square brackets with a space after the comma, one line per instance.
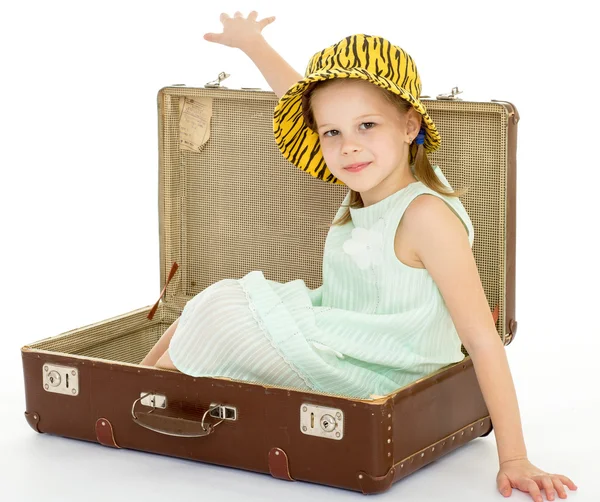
[33, 419]
[375, 484]
[104, 433]
[278, 464]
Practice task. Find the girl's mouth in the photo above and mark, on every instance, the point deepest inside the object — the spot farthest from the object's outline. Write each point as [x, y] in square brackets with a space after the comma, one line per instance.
[354, 168]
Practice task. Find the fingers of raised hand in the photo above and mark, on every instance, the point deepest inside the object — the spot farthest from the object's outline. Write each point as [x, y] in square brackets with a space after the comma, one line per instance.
[251, 17]
[266, 21]
[212, 37]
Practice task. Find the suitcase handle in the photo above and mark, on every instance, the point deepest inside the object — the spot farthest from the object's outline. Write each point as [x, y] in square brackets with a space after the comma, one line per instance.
[173, 426]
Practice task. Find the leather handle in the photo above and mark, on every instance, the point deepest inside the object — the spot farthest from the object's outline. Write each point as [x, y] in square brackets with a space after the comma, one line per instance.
[173, 426]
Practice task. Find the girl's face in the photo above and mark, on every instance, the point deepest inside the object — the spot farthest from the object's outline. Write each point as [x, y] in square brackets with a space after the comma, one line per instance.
[356, 124]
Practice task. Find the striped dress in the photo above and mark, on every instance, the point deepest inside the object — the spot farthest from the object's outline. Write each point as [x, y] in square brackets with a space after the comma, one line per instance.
[373, 326]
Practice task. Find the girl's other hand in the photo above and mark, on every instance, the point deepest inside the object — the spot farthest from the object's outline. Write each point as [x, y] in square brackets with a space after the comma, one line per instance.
[525, 476]
[239, 31]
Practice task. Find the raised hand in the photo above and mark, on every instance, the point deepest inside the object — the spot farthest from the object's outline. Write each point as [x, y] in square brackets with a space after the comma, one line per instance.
[239, 31]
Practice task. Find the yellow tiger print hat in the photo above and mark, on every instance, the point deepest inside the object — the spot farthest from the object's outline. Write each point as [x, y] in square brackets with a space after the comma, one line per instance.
[358, 56]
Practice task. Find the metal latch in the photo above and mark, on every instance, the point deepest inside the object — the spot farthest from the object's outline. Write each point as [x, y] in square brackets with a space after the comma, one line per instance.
[217, 82]
[223, 412]
[153, 400]
[321, 421]
[450, 97]
[60, 379]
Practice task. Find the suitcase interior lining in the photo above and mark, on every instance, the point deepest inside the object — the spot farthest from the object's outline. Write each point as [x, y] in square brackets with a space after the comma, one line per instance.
[124, 339]
[238, 206]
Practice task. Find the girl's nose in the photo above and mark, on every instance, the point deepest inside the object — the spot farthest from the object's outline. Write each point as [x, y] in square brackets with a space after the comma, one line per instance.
[350, 146]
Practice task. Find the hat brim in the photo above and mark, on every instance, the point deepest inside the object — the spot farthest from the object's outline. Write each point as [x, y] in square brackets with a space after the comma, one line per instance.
[301, 146]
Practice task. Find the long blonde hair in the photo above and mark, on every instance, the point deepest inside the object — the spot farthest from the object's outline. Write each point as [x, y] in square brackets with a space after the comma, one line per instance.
[417, 156]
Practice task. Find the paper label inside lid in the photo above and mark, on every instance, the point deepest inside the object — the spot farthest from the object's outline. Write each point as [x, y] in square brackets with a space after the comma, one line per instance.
[194, 122]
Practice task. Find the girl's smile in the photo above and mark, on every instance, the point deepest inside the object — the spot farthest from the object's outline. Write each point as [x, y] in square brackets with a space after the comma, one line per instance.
[357, 167]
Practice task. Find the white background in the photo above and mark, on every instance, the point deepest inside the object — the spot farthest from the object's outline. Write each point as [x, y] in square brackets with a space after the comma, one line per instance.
[80, 222]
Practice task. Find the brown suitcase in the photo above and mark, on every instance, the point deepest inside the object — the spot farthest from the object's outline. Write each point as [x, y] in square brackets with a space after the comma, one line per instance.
[220, 217]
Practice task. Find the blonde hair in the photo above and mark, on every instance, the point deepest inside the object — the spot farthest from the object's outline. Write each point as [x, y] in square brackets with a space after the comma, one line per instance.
[417, 158]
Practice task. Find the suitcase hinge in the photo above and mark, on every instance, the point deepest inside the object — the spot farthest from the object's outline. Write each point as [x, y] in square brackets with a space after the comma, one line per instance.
[217, 82]
[452, 96]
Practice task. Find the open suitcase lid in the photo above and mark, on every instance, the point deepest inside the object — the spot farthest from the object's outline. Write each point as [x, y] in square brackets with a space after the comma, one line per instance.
[230, 203]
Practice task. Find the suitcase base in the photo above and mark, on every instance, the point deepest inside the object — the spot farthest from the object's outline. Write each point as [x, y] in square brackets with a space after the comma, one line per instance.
[384, 439]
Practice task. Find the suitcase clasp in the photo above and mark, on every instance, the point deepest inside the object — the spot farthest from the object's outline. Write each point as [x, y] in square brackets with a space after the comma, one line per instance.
[60, 379]
[321, 421]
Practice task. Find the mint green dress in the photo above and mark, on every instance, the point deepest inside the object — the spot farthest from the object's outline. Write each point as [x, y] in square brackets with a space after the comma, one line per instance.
[373, 326]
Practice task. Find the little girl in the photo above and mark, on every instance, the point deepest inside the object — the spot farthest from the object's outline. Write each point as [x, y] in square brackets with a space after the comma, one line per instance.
[401, 290]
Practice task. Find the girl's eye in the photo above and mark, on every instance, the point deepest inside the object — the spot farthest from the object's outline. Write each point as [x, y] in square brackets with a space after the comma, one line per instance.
[335, 132]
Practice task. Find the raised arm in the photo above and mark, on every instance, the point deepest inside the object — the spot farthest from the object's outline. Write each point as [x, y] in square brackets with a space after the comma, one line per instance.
[246, 35]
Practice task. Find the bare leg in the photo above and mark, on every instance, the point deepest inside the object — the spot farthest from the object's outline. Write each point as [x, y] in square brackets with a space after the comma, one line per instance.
[164, 361]
[161, 346]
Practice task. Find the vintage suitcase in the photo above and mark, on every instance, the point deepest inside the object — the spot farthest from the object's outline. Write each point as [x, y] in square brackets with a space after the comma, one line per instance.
[220, 216]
